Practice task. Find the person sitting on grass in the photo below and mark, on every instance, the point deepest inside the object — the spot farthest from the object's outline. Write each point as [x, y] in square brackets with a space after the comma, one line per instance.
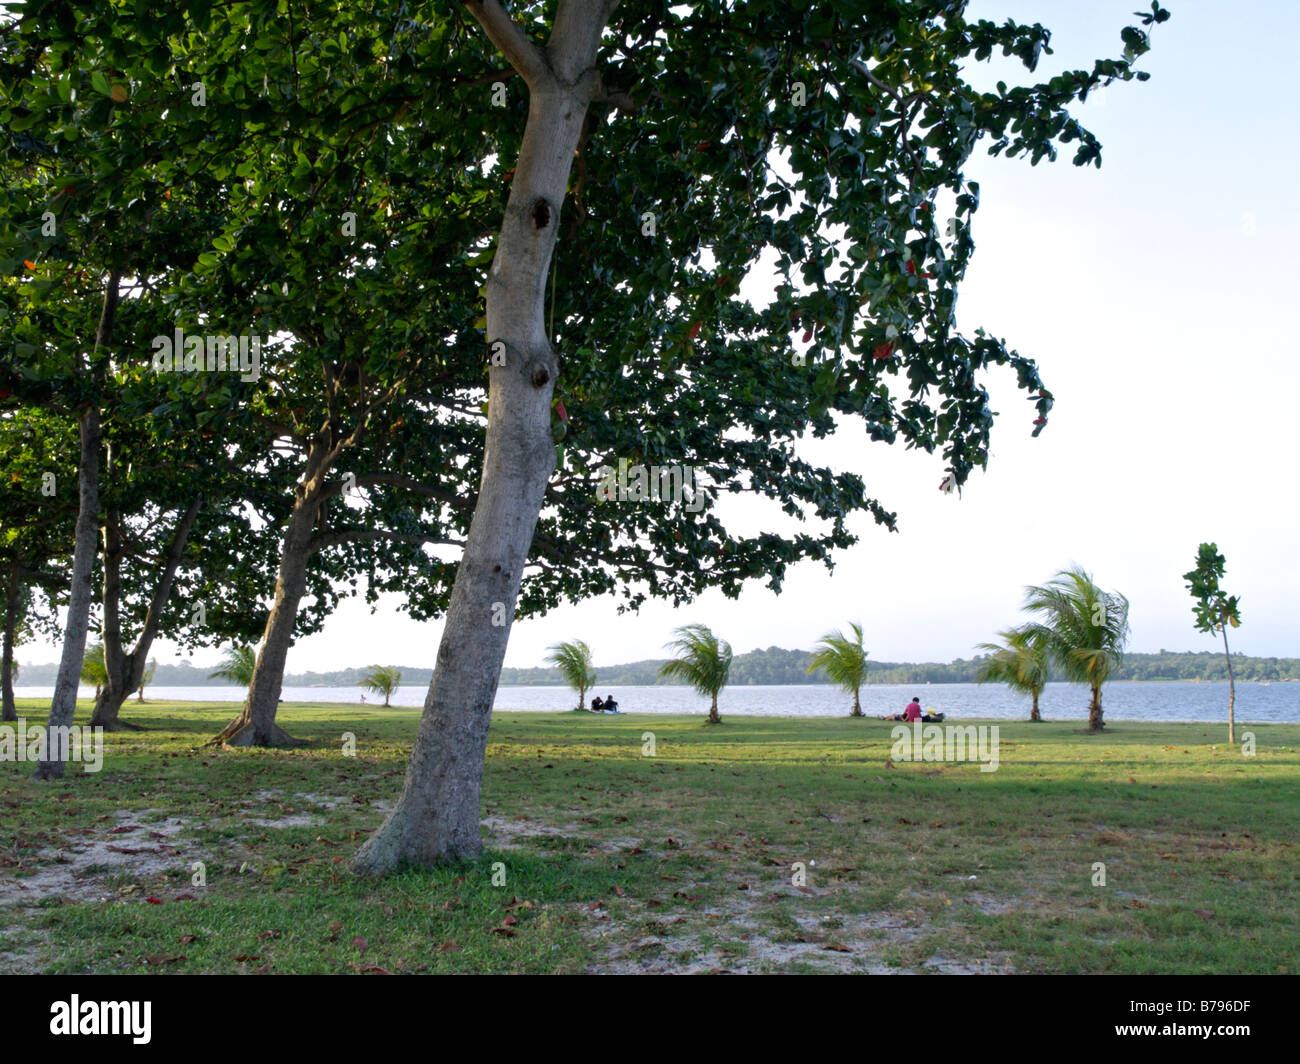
[610, 705]
[597, 706]
[911, 713]
[932, 717]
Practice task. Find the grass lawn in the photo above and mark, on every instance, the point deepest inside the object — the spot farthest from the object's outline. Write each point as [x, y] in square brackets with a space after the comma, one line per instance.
[598, 858]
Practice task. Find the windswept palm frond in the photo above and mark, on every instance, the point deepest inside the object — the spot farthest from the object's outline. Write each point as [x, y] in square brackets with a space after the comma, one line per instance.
[237, 666]
[844, 662]
[704, 662]
[1019, 661]
[382, 680]
[573, 659]
[1083, 629]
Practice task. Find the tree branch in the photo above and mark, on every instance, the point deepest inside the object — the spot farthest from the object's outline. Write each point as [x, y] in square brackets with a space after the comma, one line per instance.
[523, 54]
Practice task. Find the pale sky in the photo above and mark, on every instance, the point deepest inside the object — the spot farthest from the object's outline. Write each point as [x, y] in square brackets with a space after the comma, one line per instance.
[1152, 292]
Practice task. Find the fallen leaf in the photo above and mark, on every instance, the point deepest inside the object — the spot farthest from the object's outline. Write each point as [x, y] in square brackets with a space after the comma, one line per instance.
[153, 901]
[449, 947]
[159, 959]
[359, 943]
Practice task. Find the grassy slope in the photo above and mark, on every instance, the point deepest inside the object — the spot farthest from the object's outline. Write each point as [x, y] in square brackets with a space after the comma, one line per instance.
[615, 861]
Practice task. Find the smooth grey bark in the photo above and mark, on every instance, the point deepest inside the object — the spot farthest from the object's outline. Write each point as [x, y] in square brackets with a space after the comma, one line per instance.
[13, 590]
[63, 706]
[125, 671]
[436, 818]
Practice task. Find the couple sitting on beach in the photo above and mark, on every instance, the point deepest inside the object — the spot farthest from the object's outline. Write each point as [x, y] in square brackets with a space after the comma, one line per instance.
[913, 713]
[607, 706]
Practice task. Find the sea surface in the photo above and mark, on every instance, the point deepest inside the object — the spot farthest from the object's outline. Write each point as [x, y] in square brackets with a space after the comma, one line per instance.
[1168, 701]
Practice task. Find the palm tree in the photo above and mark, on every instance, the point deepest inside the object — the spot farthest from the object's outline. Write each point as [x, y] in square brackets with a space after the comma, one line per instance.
[1083, 629]
[237, 667]
[704, 663]
[147, 678]
[844, 661]
[382, 679]
[573, 659]
[93, 669]
[1019, 661]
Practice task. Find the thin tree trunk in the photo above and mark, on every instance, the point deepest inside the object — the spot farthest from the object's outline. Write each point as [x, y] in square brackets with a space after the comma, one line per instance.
[1033, 713]
[1095, 722]
[12, 592]
[713, 712]
[63, 706]
[857, 706]
[1232, 690]
[437, 816]
[126, 671]
[255, 725]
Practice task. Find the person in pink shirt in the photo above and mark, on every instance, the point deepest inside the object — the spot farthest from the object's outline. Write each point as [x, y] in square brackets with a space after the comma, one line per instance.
[913, 711]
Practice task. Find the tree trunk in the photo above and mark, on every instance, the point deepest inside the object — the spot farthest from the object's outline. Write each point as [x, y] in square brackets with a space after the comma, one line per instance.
[713, 712]
[126, 671]
[12, 591]
[857, 706]
[1095, 722]
[1232, 690]
[437, 816]
[63, 706]
[255, 725]
[1033, 713]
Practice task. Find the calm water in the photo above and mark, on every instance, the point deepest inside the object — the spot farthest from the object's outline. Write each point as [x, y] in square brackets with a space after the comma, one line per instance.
[1121, 701]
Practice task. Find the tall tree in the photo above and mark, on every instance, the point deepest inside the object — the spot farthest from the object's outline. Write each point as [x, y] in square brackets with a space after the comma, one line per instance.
[676, 118]
[1215, 611]
[844, 662]
[1019, 661]
[1082, 629]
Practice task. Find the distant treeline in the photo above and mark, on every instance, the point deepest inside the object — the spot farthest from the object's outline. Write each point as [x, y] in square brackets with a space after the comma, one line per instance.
[770, 666]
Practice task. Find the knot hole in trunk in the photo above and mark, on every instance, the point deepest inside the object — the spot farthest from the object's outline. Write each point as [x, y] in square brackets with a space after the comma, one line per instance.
[539, 374]
[541, 214]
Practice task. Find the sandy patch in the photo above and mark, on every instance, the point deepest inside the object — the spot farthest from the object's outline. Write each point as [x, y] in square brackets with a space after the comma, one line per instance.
[77, 871]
